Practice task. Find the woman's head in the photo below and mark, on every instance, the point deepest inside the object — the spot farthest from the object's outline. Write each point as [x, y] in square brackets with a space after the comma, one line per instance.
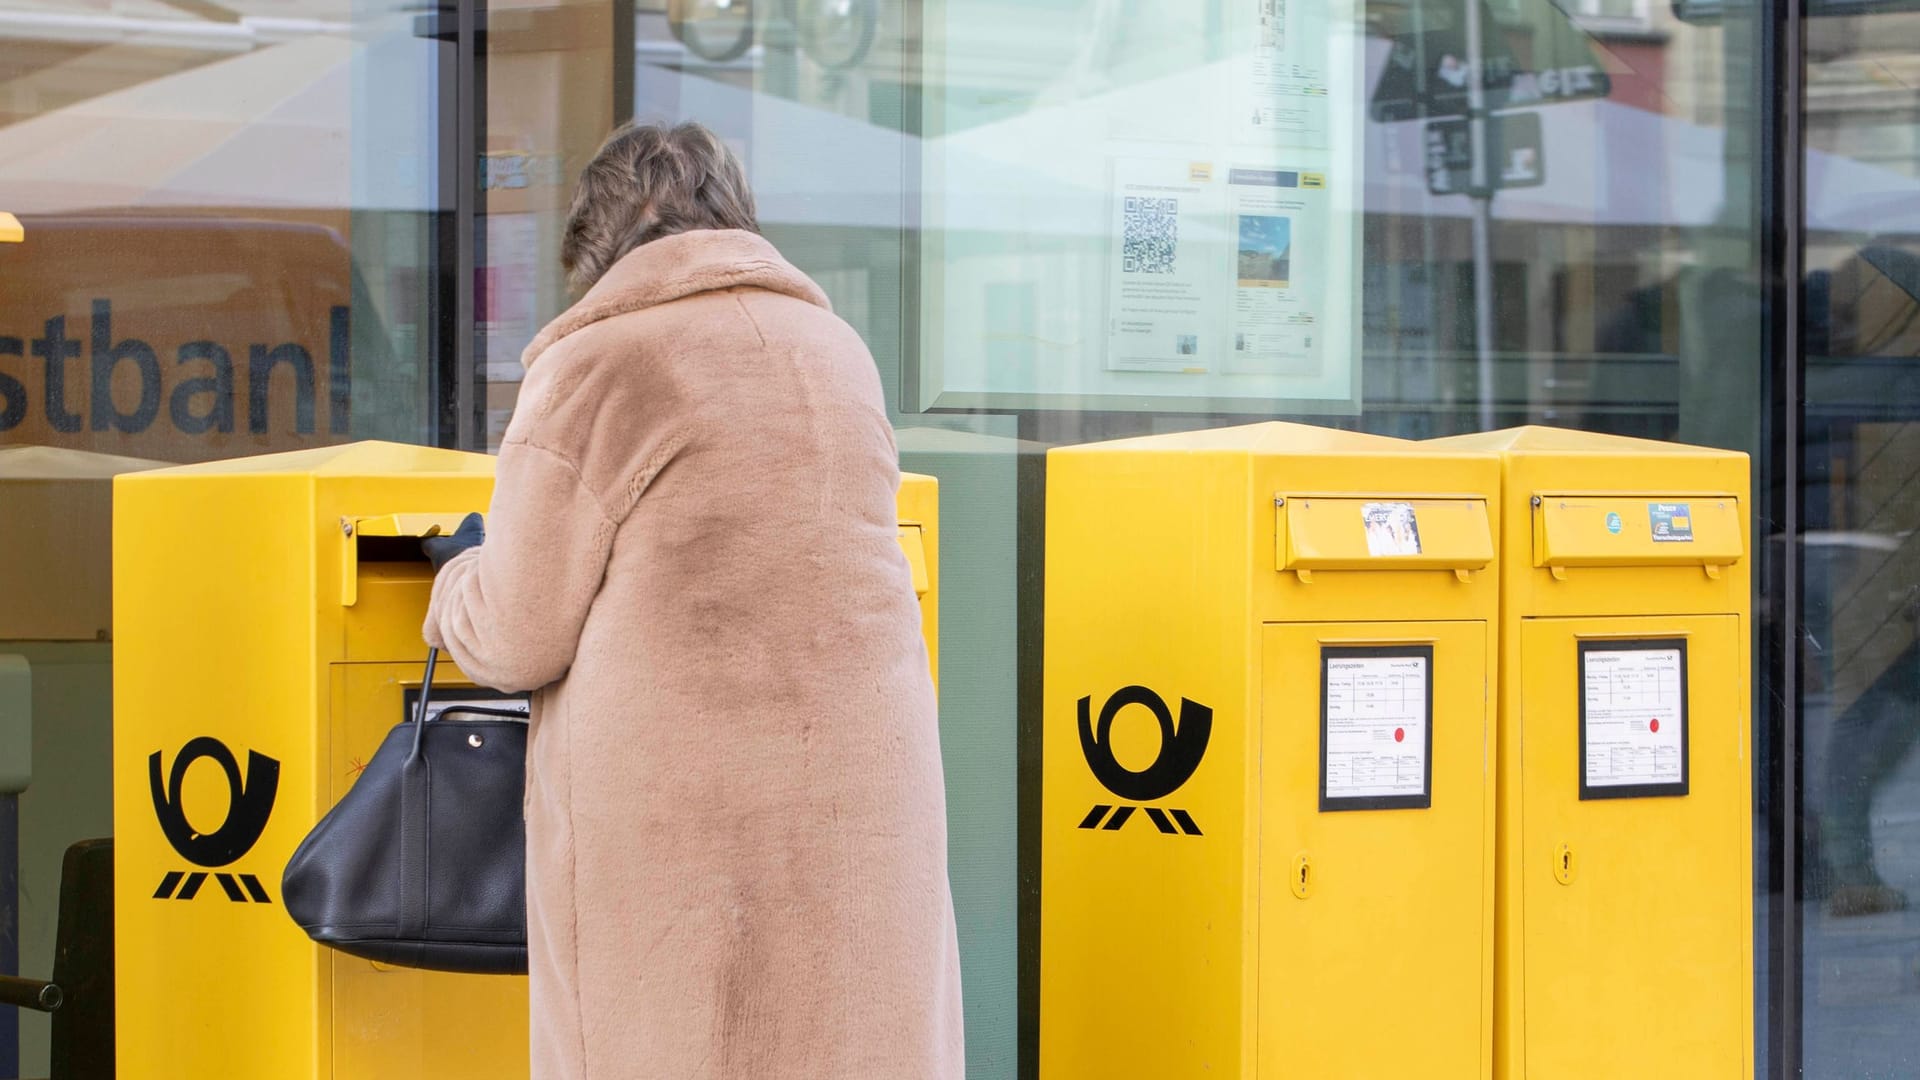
[646, 182]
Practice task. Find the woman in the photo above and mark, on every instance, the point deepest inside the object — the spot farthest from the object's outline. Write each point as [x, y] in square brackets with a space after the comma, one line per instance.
[736, 838]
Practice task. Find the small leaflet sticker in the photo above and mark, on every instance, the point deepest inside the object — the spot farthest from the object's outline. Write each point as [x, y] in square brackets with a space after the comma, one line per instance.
[1672, 522]
[1392, 528]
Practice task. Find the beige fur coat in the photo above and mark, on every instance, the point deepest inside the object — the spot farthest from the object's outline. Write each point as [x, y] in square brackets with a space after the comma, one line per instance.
[736, 829]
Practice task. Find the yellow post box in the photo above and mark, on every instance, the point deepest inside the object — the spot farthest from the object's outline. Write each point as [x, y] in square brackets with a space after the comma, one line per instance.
[1267, 839]
[267, 617]
[1625, 926]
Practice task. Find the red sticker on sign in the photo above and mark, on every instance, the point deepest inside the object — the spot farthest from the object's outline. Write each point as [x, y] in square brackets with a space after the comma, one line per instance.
[1399, 734]
[1653, 725]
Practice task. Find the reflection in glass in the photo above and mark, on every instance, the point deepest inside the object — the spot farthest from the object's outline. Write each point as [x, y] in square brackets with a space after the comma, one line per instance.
[1861, 505]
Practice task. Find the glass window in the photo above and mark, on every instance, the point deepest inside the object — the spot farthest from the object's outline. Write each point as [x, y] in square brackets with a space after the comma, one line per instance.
[1074, 219]
[230, 247]
[1860, 696]
[258, 227]
[217, 260]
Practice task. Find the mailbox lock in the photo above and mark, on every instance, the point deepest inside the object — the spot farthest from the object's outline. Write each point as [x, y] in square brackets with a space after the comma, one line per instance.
[1302, 879]
[1563, 865]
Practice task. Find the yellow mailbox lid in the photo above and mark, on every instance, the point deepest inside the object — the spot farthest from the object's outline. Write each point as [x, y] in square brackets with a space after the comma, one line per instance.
[913, 544]
[421, 525]
[383, 526]
[1661, 529]
[1382, 532]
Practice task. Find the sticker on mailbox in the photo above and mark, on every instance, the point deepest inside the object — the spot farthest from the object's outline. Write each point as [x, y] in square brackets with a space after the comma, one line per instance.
[1672, 522]
[1633, 718]
[1376, 734]
[1392, 528]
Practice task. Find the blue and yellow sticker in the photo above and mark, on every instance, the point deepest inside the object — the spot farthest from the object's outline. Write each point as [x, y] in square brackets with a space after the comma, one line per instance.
[1672, 522]
[1613, 523]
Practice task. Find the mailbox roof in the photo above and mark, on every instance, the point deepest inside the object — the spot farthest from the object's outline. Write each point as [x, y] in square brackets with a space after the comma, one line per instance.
[1271, 437]
[1536, 439]
[351, 459]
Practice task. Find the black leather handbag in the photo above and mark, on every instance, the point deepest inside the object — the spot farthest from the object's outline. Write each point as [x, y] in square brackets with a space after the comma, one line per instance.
[423, 862]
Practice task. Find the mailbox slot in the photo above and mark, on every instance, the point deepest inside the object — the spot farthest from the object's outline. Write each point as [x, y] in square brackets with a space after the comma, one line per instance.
[1381, 532]
[1660, 529]
[913, 545]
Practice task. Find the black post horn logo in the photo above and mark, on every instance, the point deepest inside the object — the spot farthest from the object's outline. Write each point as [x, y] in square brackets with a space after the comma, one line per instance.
[249, 805]
[1180, 752]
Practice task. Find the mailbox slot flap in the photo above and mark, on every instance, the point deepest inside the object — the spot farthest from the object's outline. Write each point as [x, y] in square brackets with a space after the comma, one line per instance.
[378, 537]
[1637, 530]
[1382, 532]
[913, 544]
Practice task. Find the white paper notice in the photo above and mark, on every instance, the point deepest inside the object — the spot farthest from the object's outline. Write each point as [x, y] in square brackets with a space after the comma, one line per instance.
[1281, 82]
[1376, 729]
[1165, 275]
[1635, 716]
[1282, 236]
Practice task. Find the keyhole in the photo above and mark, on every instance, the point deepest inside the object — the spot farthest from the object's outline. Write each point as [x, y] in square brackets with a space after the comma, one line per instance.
[1302, 877]
[1563, 865]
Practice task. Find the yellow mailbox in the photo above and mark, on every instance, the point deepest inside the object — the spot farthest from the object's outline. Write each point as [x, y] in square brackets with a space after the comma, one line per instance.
[267, 620]
[1267, 838]
[267, 626]
[1625, 929]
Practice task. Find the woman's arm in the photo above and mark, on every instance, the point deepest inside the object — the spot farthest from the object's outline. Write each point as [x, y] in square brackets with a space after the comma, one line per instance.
[510, 611]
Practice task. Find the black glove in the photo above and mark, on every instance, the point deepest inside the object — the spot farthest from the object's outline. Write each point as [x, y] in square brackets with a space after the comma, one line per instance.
[441, 549]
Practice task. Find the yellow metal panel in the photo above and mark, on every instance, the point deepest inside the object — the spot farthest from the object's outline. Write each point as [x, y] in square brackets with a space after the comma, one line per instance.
[918, 506]
[10, 230]
[1637, 965]
[1147, 940]
[391, 606]
[215, 640]
[406, 524]
[1618, 530]
[913, 546]
[1324, 533]
[1394, 930]
[392, 1023]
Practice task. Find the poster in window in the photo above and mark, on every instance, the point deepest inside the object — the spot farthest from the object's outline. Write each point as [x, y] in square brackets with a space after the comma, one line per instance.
[1186, 218]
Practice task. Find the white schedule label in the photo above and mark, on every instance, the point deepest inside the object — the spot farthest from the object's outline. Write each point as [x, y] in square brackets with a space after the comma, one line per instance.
[1636, 716]
[1376, 727]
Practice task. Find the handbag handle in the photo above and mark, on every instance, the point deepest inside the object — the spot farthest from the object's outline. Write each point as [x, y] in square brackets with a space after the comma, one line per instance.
[419, 718]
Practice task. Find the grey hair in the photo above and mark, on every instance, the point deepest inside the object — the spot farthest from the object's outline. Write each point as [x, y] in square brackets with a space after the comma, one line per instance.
[648, 181]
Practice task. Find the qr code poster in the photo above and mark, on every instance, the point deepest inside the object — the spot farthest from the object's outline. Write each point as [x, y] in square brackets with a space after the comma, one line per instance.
[1149, 234]
[1169, 221]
